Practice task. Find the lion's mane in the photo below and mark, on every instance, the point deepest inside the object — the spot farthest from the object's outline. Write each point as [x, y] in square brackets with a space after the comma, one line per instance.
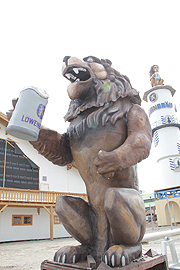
[107, 92]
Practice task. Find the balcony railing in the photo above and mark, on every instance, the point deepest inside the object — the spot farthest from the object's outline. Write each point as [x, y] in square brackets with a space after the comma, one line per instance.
[160, 123]
[33, 196]
[167, 193]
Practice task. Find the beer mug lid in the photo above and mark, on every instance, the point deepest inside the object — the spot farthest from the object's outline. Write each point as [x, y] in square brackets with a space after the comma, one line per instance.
[39, 91]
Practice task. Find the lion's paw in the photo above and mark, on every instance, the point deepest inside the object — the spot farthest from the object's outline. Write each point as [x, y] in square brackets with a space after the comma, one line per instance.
[71, 254]
[117, 256]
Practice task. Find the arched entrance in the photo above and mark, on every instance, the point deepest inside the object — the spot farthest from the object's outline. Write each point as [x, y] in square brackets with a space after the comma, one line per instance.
[174, 213]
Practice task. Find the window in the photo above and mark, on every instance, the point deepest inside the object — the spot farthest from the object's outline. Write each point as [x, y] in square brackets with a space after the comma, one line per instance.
[44, 178]
[56, 220]
[168, 119]
[20, 220]
[174, 164]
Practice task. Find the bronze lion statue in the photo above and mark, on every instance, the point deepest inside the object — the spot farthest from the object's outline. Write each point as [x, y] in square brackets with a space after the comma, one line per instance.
[109, 133]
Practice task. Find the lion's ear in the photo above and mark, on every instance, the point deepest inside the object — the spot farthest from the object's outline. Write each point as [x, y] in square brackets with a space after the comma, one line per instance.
[108, 61]
[99, 70]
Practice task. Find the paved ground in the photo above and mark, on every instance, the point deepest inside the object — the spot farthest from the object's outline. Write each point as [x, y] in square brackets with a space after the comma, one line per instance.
[28, 255]
[155, 244]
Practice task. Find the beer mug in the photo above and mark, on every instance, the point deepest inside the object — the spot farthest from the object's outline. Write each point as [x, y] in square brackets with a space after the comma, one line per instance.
[26, 119]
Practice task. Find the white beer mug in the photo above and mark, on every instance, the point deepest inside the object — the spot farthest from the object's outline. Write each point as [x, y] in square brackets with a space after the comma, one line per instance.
[26, 119]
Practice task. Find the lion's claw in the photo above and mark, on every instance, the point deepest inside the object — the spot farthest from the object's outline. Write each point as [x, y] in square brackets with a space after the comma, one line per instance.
[71, 254]
[117, 256]
[115, 261]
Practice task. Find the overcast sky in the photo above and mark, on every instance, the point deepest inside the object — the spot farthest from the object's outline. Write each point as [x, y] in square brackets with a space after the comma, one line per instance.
[36, 34]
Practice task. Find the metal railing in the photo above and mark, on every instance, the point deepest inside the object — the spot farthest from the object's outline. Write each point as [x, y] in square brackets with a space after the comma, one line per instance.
[168, 193]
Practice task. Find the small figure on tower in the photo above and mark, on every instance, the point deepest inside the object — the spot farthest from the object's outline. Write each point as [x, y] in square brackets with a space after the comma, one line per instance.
[155, 77]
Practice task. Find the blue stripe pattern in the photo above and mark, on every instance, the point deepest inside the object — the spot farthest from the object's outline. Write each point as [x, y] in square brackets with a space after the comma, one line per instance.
[171, 162]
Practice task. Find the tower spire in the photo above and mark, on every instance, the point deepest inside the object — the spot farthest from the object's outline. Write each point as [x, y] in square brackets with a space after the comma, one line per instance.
[166, 136]
[165, 128]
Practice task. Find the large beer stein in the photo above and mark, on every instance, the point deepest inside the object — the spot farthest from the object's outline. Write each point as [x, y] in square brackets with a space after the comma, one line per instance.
[26, 119]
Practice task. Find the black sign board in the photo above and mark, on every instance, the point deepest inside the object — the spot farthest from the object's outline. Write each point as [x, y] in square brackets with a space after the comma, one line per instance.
[17, 170]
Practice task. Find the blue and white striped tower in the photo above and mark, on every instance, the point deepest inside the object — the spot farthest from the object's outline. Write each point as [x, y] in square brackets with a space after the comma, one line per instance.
[166, 133]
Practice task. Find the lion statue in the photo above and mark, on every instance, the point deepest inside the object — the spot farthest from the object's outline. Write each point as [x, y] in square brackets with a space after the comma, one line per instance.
[109, 133]
[154, 76]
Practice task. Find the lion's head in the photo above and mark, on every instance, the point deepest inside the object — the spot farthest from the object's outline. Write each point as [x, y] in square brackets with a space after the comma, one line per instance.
[94, 83]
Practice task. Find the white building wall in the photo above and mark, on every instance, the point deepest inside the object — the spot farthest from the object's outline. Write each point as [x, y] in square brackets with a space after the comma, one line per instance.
[40, 228]
[163, 95]
[167, 138]
[170, 177]
[58, 178]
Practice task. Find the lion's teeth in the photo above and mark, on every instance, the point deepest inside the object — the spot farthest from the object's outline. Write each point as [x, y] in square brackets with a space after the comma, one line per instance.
[82, 69]
[70, 76]
[76, 70]
[77, 80]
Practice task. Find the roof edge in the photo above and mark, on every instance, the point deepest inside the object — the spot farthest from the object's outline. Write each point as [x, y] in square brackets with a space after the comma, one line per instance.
[172, 90]
[3, 119]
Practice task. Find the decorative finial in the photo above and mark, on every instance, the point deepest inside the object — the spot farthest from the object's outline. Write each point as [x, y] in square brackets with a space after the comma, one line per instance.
[154, 76]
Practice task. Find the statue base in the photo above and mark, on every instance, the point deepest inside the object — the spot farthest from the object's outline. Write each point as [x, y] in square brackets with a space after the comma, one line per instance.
[150, 260]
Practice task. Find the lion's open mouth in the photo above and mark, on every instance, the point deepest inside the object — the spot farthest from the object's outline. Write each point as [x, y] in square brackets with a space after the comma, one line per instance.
[76, 74]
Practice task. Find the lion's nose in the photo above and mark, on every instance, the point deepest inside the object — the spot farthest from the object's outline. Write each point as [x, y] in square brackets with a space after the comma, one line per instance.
[66, 59]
